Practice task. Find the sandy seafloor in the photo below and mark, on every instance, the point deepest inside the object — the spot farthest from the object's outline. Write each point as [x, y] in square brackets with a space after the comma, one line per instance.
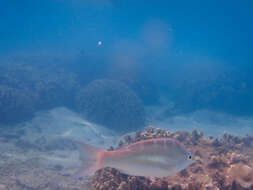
[40, 153]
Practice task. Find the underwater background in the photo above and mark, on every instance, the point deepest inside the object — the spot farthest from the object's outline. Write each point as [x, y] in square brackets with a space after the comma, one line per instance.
[96, 70]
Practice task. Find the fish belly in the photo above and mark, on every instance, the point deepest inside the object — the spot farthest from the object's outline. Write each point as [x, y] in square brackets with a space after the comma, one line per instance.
[153, 166]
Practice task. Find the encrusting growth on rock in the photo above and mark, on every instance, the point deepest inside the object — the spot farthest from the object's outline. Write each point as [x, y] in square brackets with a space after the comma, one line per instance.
[220, 164]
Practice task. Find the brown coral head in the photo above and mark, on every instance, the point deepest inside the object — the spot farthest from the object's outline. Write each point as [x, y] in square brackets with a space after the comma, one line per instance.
[243, 174]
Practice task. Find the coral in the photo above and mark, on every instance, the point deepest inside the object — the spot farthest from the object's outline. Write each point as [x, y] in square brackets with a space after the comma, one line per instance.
[220, 88]
[113, 104]
[55, 88]
[219, 164]
[26, 87]
[222, 167]
[15, 104]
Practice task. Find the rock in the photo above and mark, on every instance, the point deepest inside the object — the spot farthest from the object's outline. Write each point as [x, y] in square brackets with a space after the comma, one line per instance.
[217, 162]
[127, 139]
[3, 187]
[242, 174]
[16, 104]
[181, 136]
[26, 87]
[211, 170]
[216, 143]
[123, 186]
[220, 167]
[195, 136]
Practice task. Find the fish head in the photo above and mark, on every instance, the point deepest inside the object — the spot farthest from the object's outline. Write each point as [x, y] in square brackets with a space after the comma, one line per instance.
[182, 161]
[177, 156]
[185, 160]
[189, 158]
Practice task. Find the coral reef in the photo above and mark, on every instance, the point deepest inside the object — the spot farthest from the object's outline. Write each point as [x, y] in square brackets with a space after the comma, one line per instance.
[224, 163]
[113, 104]
[15, 104]
[26, 87]
[219, 88]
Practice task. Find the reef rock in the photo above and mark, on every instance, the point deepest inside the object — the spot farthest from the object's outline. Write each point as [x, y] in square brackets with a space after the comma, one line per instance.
[16, 104]
[27, 87]
[220, 164]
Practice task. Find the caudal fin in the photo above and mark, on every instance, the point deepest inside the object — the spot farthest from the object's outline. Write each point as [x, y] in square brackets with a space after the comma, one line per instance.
[90, 157]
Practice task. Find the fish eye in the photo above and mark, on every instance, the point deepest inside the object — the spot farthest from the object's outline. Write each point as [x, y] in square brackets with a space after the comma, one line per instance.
[189, 156]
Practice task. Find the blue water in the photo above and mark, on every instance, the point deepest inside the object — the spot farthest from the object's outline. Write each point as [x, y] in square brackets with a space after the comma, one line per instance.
[96, 70]
[112, 62]
[178, 57]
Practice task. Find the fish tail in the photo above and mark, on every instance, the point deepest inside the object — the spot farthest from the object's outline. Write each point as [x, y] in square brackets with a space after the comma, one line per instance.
[91, 158]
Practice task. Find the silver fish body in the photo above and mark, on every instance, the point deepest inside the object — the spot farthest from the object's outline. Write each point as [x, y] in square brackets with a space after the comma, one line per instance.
[155, 158]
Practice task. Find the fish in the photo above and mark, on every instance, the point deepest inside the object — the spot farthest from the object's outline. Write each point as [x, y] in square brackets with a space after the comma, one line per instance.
[158, 157]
